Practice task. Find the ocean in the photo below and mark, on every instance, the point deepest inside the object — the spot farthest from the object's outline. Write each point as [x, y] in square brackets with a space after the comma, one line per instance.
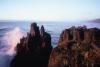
[11, 32]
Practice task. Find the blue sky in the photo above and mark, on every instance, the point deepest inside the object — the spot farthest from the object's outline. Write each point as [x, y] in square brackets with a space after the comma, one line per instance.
[49, 10]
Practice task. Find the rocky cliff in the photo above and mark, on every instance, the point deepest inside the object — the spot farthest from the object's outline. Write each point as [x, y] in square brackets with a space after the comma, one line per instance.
[33, 50]
[77, 47]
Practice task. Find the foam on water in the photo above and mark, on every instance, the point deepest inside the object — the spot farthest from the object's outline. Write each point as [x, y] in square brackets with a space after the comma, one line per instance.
[8, 43]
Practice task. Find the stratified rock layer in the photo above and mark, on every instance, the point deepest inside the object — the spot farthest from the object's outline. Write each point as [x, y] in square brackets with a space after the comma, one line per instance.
[77, 47]
[33, 50]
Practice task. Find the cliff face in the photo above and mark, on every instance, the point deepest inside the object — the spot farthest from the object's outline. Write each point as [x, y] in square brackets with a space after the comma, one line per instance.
[77, 47]
[33, 50]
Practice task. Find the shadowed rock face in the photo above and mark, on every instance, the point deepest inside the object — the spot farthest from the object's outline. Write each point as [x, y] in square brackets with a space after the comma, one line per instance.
[33, 50]
[77, 47]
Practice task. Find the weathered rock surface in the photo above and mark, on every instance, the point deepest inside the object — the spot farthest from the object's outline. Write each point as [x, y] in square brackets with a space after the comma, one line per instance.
[77, 47]
[33, 50]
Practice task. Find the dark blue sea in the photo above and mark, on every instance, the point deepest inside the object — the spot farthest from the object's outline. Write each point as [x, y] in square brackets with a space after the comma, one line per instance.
[11, 32]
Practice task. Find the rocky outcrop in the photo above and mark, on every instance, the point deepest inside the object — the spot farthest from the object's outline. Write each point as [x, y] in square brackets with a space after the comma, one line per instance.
[33, 50]
[77, 47]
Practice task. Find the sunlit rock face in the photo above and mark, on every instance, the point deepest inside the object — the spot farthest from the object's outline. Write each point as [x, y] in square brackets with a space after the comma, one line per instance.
[33, 50]
[77, 47]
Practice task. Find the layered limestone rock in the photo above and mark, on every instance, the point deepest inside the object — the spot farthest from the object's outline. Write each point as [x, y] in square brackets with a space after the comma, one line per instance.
[33, 50]
[77, 47]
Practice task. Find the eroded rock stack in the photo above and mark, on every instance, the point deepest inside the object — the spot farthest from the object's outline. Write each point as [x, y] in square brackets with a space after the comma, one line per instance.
[77, 47]
[33, 50]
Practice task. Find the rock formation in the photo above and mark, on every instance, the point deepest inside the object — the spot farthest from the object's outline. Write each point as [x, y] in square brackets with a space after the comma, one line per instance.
[33, 50]
[77, 47]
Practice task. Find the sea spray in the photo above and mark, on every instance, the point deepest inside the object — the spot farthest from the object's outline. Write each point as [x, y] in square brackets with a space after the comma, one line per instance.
[9, 42]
